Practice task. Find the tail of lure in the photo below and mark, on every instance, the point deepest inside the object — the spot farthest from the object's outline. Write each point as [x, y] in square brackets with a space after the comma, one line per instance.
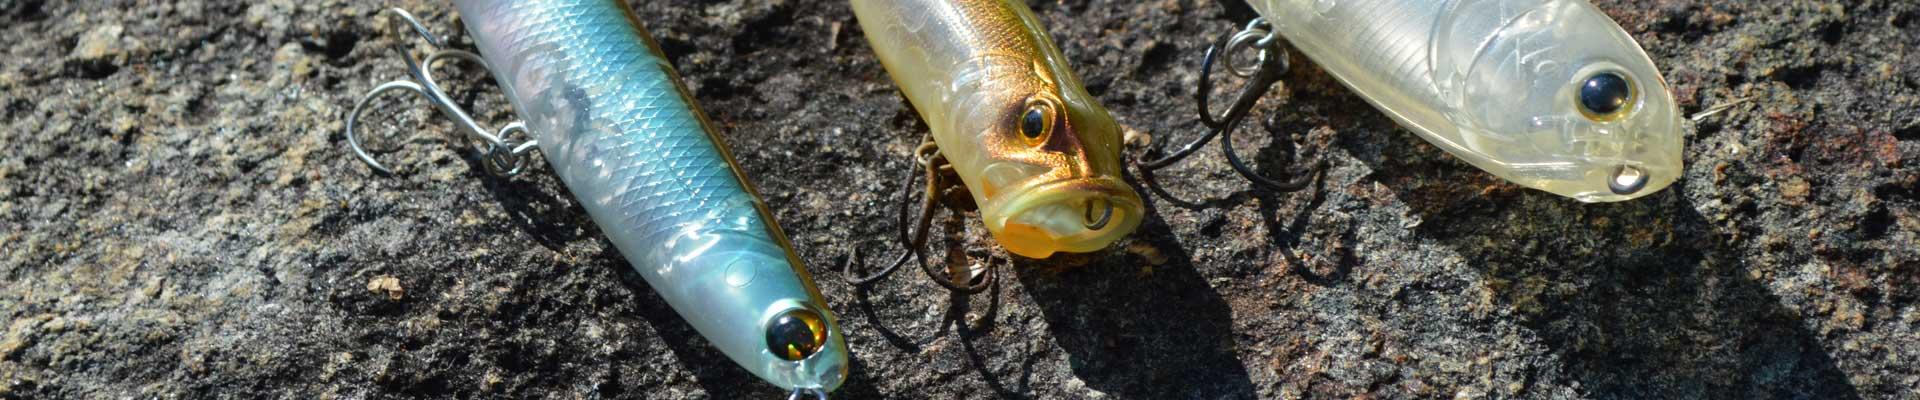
[614, 122]
[1039, 154]
[1550, 94]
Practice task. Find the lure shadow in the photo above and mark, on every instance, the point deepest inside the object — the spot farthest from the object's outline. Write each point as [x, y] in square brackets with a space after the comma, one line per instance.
[972, 336]
[540, 206]
[1286, 236]
[863, 305]
[1132, 334]
[1680, 317]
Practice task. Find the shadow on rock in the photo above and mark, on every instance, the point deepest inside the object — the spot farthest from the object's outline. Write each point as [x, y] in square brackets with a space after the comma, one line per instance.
[540, 206]
[1159, 333]
[977, 356]
[1642, 299]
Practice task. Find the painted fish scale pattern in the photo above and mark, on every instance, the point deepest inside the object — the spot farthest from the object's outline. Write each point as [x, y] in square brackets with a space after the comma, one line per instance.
[615, 124]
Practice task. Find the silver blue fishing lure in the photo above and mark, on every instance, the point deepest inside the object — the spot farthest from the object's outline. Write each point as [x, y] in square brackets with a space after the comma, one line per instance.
[626, 137]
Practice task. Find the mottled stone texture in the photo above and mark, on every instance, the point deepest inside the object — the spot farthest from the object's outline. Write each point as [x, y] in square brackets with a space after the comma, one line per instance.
[179, 219]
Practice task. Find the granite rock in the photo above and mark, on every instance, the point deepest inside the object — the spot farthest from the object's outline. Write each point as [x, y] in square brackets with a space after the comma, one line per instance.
[179, 218]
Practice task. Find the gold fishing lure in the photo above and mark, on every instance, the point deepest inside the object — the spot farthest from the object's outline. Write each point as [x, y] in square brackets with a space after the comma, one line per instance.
[1039, 154]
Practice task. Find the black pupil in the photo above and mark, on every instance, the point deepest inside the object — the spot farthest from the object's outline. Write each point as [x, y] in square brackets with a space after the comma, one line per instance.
[1033, 123]
[792, 337]
[1605, 94]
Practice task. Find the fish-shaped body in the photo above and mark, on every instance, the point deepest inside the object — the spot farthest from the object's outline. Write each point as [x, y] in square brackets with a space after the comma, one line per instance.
[1039, 154]
[613, 120]
[1550, 94]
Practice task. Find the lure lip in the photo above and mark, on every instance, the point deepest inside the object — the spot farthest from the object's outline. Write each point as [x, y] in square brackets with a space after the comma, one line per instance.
[1009, 216]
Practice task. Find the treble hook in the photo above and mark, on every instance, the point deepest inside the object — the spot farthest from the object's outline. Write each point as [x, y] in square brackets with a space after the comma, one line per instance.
[1267, 71]
[929, 158]
[502, 156]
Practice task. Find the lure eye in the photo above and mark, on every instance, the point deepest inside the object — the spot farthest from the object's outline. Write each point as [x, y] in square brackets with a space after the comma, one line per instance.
[1605, 95]
[796, 334]
[1035, 122]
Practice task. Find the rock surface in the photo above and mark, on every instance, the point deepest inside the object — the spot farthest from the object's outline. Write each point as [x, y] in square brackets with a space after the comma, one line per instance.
[179, 219]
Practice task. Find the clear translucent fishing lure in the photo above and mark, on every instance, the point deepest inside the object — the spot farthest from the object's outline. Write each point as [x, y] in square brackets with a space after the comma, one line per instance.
[1039, 154]
[612, 119]
[1550, 94]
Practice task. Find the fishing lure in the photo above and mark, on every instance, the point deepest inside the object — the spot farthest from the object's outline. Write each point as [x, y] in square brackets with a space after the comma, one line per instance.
[626, 137]
[1038, 153]
[1549, 94]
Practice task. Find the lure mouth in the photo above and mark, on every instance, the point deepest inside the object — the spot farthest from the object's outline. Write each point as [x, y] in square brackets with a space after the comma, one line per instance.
[1072, 215]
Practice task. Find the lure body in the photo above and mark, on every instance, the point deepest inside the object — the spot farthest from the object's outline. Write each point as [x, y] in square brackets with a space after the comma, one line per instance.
[628, 140]
[1037, 151]
[1550, 94]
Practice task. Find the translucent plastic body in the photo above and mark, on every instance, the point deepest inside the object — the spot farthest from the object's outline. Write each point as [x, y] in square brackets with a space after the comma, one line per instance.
[1038, 153]
[617, 127]
[1499, 84]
